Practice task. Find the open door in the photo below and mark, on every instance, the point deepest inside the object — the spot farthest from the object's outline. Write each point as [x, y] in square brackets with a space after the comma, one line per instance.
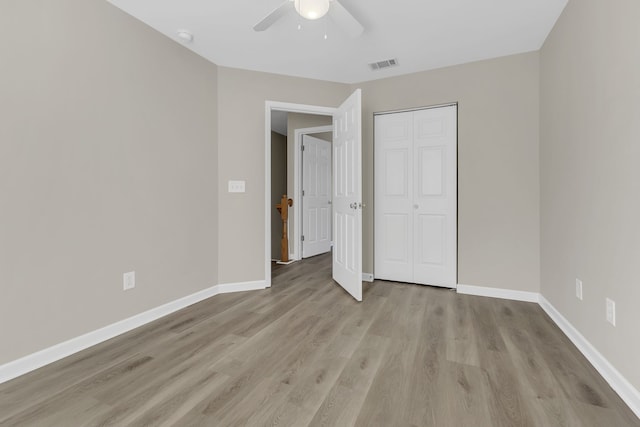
[347, 195]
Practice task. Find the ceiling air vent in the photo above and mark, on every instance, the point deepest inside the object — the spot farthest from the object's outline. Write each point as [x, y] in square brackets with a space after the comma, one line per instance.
[383, 64]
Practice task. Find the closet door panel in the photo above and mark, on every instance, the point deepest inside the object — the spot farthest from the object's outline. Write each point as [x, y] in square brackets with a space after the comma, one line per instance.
[394, 192]
[435, 199]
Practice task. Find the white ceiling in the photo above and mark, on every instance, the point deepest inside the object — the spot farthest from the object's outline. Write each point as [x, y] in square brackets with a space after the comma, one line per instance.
[421, 34]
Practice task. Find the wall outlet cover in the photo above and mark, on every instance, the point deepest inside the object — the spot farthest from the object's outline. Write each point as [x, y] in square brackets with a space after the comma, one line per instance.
[579, 289]
[129, 280]
[611, 311]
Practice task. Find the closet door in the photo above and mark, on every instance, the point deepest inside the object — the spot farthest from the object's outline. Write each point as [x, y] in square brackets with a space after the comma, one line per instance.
[394, 249]
[435, 196]
[416, 196]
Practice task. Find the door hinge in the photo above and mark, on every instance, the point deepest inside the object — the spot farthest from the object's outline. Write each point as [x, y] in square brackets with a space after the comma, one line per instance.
[302, 238]
[303, 192]
[302, 147]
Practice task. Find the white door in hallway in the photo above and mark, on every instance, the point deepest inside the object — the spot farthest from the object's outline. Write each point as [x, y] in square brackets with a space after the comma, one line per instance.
[416, 196]
[316, 196]
[347, 195]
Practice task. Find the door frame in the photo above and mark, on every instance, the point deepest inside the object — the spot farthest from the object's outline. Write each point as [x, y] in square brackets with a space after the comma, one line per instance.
[457, 173]
[297, 183]
[289, 108]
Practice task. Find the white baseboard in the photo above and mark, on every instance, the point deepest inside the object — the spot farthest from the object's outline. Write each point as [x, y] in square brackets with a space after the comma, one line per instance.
[367, 277]
[31, 362]
[256, 285]
[627, 392]
[498, 293]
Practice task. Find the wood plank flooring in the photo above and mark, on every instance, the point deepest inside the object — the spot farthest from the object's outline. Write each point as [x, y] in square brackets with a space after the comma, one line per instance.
[304, 353]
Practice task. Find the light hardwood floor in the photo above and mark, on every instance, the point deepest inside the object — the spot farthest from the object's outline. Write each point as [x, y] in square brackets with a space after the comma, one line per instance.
[304, 353]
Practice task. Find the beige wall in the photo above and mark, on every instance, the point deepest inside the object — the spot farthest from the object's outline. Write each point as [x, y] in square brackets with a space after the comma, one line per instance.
[241, 135]
[590, 133]
[108, 163]
[498, 176]
[278, 188]
[298, 121]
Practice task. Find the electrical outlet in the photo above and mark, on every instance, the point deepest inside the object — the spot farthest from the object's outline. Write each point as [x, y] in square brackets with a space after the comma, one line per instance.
[579, 289]
[129, 280]
[611, 311]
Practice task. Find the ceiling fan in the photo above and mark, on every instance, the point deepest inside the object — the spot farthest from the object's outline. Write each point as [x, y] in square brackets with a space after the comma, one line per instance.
[314, 9]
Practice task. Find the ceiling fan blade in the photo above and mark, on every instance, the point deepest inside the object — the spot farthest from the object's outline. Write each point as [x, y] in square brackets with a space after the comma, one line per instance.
[276, 14]
[345, 19]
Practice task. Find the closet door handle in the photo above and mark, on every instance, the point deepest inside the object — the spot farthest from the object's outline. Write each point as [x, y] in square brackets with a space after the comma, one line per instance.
[416, 206]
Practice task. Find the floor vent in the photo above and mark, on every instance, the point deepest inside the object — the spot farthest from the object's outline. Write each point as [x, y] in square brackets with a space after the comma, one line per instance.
[383, 64]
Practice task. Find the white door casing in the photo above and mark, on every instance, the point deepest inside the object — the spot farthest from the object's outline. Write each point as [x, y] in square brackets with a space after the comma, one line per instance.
[416, 196]
[316, 196]
[347, 195]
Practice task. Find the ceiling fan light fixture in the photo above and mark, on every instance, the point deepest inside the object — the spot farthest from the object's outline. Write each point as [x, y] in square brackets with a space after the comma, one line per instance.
[312, 9]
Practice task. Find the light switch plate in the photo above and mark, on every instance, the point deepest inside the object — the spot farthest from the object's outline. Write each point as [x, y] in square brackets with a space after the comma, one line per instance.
[236, 186]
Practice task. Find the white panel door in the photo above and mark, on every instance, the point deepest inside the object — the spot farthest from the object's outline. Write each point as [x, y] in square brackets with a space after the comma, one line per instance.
[435, 196]
[316, 196]
[416, 196]
[347, 195]
[394, 197]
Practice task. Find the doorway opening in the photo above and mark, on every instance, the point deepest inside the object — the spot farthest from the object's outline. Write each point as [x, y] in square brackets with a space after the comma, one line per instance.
[301, 172]
[273, 226]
